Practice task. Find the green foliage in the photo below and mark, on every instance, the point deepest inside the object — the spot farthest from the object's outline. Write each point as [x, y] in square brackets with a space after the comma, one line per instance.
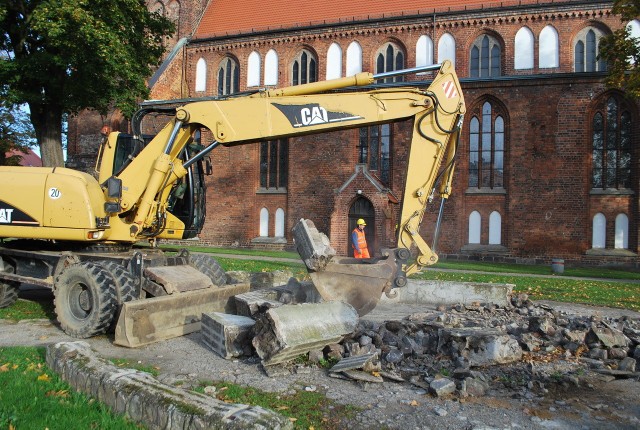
[622, 52]
[62, 56]
[39, 399]
[16, 134]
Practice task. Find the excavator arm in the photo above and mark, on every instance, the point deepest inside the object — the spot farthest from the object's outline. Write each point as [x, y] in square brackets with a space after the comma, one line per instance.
[142, 188]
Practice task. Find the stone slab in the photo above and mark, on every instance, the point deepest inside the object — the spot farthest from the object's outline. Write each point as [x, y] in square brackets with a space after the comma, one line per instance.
[451, 293]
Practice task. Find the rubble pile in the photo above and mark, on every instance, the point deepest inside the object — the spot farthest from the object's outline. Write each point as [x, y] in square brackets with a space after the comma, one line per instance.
[460, 350]
[464, 350]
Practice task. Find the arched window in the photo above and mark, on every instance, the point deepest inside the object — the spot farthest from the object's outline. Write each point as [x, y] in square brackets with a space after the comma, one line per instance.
[549, 48]
[334, 61]
[228, 77]
[585, 51]
[622, 232]
[354, 59]
[274, 164]
[271, 68]
[389, 58]
[486, 149]
[495, 228]
[475, 224]
[201, 75]
[523, 56]
[253, 70]
[279, 223]
[599, 232]
[612, 144]
[304, 68]
[447, 49]
[424, 51]
[375, 150]
[485, 57]
[264, 222]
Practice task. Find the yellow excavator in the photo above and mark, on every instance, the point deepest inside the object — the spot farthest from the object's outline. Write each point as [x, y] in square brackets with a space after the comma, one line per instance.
[66, 230]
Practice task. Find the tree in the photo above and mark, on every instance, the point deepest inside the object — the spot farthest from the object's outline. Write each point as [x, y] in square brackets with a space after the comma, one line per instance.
[16, 134]
[61, 56]
[622, 52]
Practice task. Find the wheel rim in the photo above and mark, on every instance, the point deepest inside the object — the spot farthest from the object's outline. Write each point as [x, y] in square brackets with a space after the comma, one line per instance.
[80, 301]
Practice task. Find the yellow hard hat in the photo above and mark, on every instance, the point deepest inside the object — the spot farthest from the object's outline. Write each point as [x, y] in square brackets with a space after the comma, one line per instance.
[361, 222]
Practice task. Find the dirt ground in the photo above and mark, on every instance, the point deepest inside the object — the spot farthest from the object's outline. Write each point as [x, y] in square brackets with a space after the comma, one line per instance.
[591, 401]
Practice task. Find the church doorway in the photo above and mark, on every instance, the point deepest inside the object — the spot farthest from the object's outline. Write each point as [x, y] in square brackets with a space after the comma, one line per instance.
[363, 208]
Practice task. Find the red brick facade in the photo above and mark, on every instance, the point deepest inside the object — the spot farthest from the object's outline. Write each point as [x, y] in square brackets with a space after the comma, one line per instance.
[546, 205]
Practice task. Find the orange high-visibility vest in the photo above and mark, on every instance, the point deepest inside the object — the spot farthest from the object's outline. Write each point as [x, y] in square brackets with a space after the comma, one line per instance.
[362, 244]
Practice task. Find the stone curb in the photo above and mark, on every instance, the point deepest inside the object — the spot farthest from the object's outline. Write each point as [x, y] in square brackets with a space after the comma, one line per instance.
[145, 400]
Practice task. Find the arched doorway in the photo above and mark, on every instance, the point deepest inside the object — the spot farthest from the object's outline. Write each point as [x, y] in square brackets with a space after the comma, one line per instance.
[363, 208]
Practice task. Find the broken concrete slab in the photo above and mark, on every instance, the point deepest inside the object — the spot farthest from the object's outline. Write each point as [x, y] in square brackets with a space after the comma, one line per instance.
[313, 246]
[254, 303]
[290, 330]
[451, 293]
[355, 362]
[148, 401]
[480, 346]
[608, 337]
[358, 375]
[227, 335]
[259, 280]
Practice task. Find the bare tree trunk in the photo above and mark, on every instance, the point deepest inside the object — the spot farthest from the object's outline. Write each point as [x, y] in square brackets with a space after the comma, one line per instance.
[47, 123]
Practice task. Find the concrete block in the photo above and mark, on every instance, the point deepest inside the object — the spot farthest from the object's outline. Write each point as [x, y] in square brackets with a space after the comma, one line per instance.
[227, 335]
[480, 346]
[285, 332]
[314, 247]
[254, 303]
[451, 293]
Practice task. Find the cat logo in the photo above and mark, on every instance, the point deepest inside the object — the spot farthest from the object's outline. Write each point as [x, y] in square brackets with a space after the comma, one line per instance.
[5, 216]
[313, 115]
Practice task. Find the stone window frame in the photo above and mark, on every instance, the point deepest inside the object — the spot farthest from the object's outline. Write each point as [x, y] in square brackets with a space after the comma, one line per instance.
[487, 115]
[586, 45]
[485, 57]
[228, 76]
[304, 68]
[614, 175]
[388, 58]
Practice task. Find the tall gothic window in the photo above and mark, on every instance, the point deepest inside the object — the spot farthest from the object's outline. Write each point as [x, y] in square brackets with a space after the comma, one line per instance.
[304, 69]
[611, 139]
[375, 150]
[485, 57]
[390, 58]
[585, 51]
[486, 149]
[274, 164]
[228, 77]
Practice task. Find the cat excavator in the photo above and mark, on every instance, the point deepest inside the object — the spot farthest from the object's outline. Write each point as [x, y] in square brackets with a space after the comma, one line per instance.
[78, 234]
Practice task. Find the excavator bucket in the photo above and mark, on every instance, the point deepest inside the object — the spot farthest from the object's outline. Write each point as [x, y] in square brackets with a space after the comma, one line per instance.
[359, 282]
[163, 317]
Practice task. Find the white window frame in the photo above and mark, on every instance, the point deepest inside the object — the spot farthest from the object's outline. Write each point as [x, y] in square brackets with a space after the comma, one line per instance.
[523, 53]
[622, 232]
[599, 231]
[264, 222]
[201, 75]
[475, 228]
[549, 48]
[334, 61]
[279, 223]
[253, 70]
[271, 68]
[447, 49]
[354, 59]
[495, 228]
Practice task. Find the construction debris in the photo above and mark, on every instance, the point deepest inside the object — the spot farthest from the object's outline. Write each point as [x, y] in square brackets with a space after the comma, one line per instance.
[313, 246]
[283, 333]
[227, 335]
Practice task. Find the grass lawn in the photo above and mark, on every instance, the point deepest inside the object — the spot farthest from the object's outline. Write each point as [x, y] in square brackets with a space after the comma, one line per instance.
[33, 397]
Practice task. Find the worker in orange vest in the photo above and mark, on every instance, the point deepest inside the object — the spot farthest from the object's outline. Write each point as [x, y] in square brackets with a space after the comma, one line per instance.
[359, 241]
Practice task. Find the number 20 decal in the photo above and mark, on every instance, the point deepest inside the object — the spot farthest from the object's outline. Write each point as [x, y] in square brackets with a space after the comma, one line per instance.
[54, 193]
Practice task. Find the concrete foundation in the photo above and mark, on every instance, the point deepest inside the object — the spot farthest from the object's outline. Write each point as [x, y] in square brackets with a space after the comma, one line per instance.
[451, 293]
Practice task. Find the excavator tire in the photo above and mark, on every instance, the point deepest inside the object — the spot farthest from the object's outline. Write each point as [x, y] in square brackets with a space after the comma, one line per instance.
[125, 284]
[85, 299]
[8, 293]
[210, 267]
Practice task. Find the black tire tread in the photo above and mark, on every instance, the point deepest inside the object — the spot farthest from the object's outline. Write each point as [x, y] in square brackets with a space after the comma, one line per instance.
[210, 267]
[8, 293]
[104, 308]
